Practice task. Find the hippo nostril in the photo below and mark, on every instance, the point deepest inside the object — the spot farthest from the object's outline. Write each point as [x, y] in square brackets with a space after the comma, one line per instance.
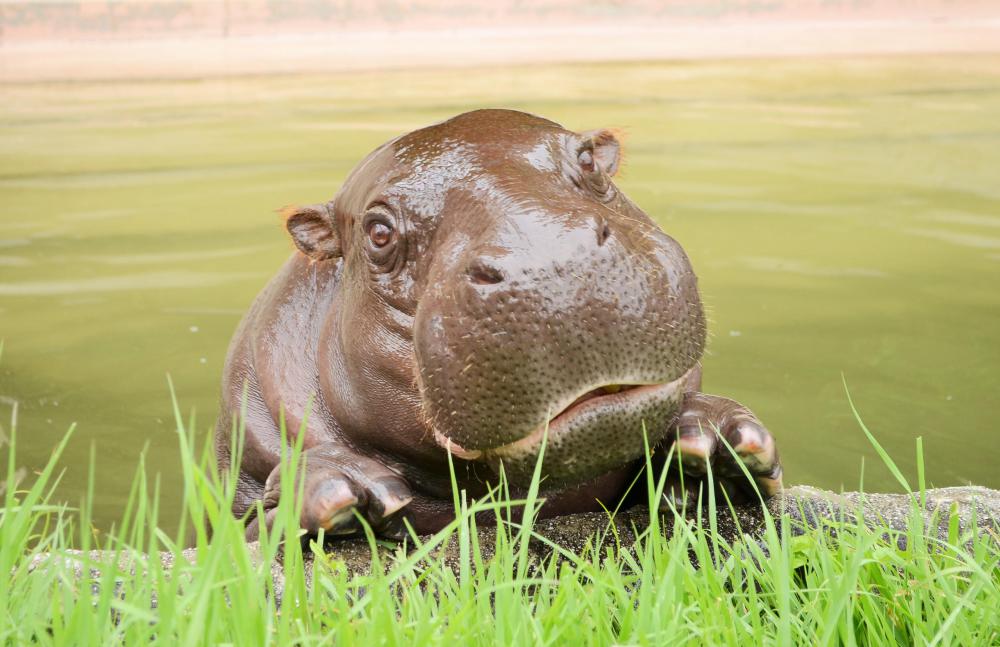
[603, 233]
[482, 274]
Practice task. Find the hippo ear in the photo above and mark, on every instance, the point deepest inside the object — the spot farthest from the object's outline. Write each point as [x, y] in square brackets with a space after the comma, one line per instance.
[607, 150]
[313, 231]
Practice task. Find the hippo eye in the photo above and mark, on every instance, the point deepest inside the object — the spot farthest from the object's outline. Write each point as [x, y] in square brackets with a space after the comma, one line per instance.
[380, 234]
[384, 238]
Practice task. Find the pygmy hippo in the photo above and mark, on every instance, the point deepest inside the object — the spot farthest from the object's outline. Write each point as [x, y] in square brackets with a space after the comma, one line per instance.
[479, 287]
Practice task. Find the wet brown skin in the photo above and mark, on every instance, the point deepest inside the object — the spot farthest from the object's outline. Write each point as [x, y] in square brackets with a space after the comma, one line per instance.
[477, 286]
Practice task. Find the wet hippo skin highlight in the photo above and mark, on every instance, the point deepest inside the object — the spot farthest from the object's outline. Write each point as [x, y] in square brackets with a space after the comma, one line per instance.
[478, 287]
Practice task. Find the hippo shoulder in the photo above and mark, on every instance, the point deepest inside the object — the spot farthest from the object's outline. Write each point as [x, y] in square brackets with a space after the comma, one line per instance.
[278, 340]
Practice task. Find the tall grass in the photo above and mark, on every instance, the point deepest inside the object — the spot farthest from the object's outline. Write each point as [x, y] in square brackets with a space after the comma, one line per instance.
[782, 588]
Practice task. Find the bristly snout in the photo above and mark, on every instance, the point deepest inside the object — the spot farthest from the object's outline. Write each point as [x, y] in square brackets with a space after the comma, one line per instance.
[545, 307]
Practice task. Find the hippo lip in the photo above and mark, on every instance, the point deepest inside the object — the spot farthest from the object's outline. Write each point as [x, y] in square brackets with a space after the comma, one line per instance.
[595, 398]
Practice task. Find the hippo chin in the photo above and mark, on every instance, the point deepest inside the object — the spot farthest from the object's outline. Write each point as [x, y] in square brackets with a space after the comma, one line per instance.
[479, 287]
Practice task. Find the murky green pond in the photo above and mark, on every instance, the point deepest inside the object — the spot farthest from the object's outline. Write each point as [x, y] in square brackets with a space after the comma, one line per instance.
[844, 218]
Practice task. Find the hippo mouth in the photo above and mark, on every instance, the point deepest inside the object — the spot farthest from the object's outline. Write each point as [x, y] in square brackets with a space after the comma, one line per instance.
[603, 428]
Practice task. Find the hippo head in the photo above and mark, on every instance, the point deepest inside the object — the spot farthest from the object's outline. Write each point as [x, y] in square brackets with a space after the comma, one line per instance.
[498, 291]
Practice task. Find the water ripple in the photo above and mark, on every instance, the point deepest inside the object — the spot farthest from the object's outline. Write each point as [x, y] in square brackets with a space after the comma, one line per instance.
[154, 280]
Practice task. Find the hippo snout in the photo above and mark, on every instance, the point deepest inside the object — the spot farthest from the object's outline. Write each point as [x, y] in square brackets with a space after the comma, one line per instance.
[584, 333]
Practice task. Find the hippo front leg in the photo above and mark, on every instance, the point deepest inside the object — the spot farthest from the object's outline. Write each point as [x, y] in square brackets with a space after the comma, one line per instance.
[705, 421]
[336, 484]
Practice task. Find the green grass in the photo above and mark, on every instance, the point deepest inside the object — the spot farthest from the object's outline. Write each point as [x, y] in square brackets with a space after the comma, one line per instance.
[859, 589]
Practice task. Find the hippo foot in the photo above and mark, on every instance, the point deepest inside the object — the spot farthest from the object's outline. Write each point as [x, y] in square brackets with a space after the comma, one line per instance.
[339, 486]
[720, 438]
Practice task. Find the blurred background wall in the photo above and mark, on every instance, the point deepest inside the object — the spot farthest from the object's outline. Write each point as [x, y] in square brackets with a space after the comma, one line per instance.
[33, 20]
[115, 38]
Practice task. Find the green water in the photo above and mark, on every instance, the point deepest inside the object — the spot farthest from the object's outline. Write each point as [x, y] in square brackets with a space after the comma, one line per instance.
[843, 215]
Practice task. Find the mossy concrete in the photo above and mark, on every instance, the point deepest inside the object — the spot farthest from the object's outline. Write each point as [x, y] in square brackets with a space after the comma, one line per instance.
[804, 507]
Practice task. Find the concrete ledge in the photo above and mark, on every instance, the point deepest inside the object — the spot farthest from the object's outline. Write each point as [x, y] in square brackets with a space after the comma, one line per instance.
[804, 506]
